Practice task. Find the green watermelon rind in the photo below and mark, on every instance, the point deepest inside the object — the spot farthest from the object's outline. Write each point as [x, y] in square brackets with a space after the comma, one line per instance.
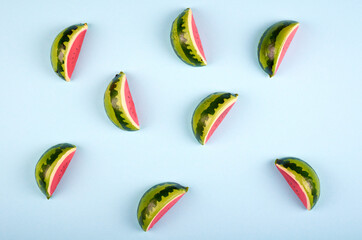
[207, 112]
[155, 199]
[274, 38]
[305, 175]
[115, 108]
[47, 163]
[61, 47]
[181, 40]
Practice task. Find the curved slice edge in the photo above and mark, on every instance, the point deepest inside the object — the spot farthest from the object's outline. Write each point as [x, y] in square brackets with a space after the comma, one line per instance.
[163, 211]
[221, 115]
[195, 37]
[296, 186]
[285, 47]
[128, 104]
[58, 171]
[74, 48]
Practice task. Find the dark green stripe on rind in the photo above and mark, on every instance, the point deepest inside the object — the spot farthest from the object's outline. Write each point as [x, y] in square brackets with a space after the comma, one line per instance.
[61, 47]
[176, 38]
[153, 197]
[114, 94]
[182, 28]
[210, 110]
[271, 35]
[153, 202]
[306, 171]
[47, 162]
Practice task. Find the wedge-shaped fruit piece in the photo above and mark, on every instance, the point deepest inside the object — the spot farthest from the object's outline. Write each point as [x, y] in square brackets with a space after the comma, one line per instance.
[186, 41]
[51, 167]
[209, 114]
[66, 48]
[302, 178]
[119, 104]
[157, 201]
[274, 43]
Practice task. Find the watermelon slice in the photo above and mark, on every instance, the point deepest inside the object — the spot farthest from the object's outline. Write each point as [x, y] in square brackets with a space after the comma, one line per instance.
[66, 48]
[185, 39]
[302, 178]
[52, 166]
[274, 44]
[210, 112]
[157, 201]
[119, 105]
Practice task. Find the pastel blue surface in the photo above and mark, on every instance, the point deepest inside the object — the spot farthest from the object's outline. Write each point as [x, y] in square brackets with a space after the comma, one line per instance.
[311, 109]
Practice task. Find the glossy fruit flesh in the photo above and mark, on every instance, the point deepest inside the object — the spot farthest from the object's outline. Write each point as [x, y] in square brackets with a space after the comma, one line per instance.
[130, 104]
[197, 37]
[74, 53]
[58, 173]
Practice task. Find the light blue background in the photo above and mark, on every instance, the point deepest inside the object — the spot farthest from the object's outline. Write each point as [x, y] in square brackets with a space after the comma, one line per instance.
[310, 110]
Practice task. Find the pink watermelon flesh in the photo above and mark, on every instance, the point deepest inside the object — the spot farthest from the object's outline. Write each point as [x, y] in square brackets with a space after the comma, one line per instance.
[218, 121]
[197, 37]
[130, 104]
[286, 46]
[295, 186]
[60, 172]
[163, 211]
[74, 52]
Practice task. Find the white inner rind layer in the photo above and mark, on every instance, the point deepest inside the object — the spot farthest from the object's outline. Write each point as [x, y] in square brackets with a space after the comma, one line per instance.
[59, 163]
[124, 103]
[193, 38]
[221, 111]
[282, 46]
[70, 44]
[149, 225]
[300, 185]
